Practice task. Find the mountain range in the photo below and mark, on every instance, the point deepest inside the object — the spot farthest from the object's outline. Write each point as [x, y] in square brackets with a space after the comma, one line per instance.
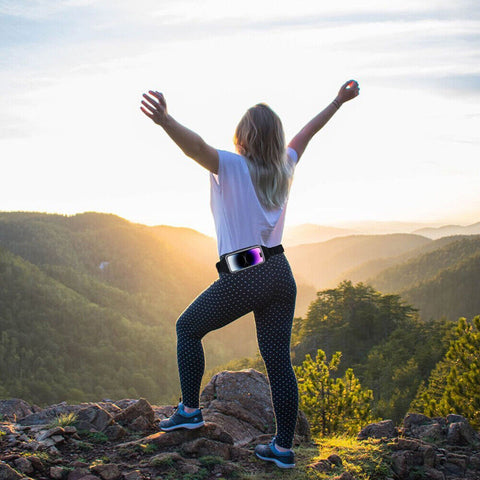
[88, 303]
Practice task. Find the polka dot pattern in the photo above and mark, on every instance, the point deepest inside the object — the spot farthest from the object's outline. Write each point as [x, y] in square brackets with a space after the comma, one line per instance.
[269, 290]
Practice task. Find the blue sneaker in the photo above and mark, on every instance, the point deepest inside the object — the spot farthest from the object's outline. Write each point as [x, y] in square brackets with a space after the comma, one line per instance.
[182, 419]
[271, 454]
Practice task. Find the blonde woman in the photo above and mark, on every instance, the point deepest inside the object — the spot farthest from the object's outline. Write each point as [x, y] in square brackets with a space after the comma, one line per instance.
[249, 194]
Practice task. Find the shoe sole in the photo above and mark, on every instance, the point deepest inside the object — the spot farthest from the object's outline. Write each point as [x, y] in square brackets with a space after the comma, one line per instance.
[276, 462]
[188, 426]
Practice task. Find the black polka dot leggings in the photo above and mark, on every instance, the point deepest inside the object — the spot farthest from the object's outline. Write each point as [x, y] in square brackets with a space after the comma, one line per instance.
[269, 290]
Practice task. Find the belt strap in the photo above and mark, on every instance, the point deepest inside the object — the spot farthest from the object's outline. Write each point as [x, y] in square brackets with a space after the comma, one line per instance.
[268, 252]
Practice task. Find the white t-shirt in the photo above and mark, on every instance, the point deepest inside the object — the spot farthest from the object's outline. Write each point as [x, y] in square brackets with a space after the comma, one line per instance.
[240, 219]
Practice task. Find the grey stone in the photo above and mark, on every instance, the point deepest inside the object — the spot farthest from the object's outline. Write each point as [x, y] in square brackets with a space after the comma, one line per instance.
[415, 419]
[335, 459]
[23, 465]
[44, 434]
[108, 471]
[93, 417]
[15, 409]
[460, 433]
[8, 473]
[383, 429]
[57, 473]
[240, 402]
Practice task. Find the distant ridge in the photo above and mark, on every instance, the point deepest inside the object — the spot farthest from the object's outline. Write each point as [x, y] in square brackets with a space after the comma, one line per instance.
[310, 233]
[449, 230]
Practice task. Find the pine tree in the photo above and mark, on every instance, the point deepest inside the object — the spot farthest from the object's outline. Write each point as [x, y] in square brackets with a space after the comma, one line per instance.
[454, 385]
[332, 405]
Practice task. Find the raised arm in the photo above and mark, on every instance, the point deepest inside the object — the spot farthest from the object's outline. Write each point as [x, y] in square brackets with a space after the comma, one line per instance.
[155, 108]
[300, 141]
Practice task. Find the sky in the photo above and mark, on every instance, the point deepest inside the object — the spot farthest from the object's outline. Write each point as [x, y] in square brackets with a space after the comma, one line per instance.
[73, 138]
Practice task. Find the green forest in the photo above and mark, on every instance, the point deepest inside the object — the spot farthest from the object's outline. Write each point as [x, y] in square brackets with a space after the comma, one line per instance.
[88, 305]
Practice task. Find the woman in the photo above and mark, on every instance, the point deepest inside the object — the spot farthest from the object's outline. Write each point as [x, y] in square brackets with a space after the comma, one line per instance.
[249, 194]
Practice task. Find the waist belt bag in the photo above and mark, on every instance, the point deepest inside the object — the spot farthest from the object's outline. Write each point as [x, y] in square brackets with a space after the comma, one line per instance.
[246, 258]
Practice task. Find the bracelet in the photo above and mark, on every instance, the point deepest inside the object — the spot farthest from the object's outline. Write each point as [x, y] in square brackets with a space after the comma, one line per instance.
[336, 103]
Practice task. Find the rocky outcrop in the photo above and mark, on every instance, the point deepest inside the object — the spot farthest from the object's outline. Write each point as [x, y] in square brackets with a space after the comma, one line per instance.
[120, 440]
[241, 404]
[430, 448]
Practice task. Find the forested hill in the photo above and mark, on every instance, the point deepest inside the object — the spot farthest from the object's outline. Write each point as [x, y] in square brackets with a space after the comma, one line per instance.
[325, 264]
[88, 306]
[440, 282]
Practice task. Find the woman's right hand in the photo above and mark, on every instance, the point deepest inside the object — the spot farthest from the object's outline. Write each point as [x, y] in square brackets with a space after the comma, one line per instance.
[348, 91]
[155, 108]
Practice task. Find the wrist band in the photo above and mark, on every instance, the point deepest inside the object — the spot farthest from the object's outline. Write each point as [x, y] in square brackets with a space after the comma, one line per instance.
[336, 103]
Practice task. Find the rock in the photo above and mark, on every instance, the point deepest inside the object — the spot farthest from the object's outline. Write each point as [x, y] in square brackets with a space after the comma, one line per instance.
[54, 451]
[57, 473]
[240, 402]
[8, 473]
[180, 436]
[205, 446]
[133, 475]
[459, 462]
[48, 442]
[78, 473]
[115, 432]
[108, 471]
[36, 462]
[453, 418]
[415, 419]
[460, 433]
[430, 433]
[165, 459]
[70, 429]
[428, 455]
[44, 434]
[432, 474]
[49, 414]
[323, 466]
[475, 461]
[23, 465]
[335, 459]
[384, 429]
[405, 460]
[189, 468]
[138, 416]
[14, 409]
[93, 417]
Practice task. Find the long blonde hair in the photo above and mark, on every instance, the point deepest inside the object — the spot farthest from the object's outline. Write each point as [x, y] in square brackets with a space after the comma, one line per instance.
[260, 138]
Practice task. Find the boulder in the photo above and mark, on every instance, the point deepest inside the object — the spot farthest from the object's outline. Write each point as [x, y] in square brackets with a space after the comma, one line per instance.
[460, 433]
[57, 473]
[383, 429]
[433, 432]
[240, 402]
[133, 475]
[323, 466]
[15, 409]
[23, 465]
[48, 414]
[93, 417]
[180, 436]
[8, 473]
[415, 419]
[138, 416]
[108, 471]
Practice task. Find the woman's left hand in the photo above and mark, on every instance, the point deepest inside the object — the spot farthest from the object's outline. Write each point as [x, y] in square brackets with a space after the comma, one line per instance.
[348, 91]
[155, 108]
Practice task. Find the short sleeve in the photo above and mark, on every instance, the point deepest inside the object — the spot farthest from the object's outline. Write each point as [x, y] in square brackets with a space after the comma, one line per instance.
[228, 165]
[292, 154]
